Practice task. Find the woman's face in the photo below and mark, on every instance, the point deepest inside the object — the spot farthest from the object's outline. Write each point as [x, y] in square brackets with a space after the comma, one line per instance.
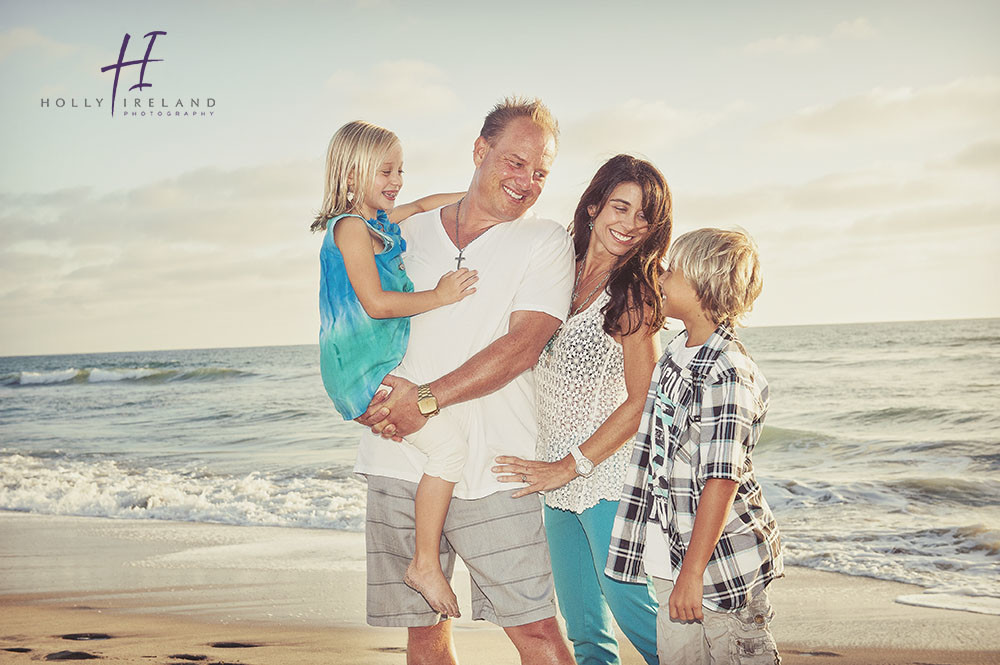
[620, 225]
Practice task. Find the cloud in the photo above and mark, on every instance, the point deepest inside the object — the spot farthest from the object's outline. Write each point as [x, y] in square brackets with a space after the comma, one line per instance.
[420, 86]
[931, 195]
[180, 262]
[949, 218]
[859, 28]
[983, 155]
[853, 30]
[647, 128]
[966, 104]
[785, 44]
[860, 190]
[21, 39]
[640, 124]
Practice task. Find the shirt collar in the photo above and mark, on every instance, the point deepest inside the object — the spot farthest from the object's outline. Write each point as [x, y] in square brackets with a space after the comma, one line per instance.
[710, 351]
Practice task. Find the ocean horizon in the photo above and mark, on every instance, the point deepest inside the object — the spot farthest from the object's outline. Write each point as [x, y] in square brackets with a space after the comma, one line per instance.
[673, 328]
[880, 454]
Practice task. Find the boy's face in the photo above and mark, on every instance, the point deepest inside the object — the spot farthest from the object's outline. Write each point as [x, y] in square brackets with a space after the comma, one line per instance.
[680, 300]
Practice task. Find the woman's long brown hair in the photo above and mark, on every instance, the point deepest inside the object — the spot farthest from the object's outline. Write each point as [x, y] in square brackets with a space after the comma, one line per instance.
[634, 280]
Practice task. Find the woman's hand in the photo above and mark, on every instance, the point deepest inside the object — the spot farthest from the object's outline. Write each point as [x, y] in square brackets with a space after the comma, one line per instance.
[540, 476]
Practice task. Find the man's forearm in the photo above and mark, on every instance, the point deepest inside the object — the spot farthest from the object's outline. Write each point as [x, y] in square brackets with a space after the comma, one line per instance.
[500, 362]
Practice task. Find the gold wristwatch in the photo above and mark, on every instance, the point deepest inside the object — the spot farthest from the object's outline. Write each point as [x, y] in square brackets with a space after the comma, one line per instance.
[426, 401]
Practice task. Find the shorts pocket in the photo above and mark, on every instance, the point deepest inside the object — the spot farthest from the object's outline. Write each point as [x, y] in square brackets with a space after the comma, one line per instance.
[752, 641]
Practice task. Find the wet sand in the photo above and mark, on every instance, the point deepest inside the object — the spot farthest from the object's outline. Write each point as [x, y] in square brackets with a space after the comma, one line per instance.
[165, 592]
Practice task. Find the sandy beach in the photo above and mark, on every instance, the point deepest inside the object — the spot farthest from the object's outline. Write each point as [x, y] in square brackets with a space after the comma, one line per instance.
[141, 591]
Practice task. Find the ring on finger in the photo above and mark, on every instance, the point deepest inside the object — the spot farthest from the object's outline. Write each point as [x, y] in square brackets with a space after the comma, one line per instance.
[524, 478]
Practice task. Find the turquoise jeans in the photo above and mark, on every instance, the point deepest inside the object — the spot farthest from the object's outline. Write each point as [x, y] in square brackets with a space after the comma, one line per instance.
[578, 546]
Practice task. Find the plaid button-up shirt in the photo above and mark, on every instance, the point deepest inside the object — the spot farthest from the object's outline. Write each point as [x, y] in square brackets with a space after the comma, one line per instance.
[701, 421]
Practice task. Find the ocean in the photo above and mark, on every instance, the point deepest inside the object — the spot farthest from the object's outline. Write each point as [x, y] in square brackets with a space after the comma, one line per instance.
[880, 455]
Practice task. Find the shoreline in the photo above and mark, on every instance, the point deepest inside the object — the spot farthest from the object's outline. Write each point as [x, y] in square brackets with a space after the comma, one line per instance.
[163, 589]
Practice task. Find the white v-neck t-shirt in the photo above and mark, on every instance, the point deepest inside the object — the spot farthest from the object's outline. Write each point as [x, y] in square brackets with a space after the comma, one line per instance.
[524, 265]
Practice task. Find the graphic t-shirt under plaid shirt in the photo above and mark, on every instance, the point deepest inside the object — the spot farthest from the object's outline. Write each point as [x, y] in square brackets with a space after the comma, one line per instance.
[701, 421]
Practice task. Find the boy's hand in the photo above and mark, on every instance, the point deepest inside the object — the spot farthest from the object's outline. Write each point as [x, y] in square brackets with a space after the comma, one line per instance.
[685, 599]
[455, 285]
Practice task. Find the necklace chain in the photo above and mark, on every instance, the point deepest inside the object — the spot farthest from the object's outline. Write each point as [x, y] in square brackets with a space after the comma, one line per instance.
[458, 243]
[576, 285]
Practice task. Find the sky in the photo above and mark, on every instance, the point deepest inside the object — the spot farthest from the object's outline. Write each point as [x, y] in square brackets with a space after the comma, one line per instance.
[857, 142]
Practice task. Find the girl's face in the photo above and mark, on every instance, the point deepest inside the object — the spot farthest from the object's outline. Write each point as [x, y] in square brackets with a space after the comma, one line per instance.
[621, 223]
[386, 184]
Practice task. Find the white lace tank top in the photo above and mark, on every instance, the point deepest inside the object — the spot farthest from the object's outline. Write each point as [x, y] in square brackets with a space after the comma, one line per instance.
[579, 382]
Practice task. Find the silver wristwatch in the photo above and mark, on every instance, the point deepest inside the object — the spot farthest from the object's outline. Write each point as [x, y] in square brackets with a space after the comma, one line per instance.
[584, 466]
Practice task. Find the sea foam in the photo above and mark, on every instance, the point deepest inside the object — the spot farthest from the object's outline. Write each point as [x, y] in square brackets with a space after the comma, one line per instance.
[106, 489]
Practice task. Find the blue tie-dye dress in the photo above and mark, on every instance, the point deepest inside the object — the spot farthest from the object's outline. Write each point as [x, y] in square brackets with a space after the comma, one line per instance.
[355, 350]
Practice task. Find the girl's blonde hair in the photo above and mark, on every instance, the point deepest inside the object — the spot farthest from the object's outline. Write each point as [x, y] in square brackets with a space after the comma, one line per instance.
[355, 152]
[724, 269]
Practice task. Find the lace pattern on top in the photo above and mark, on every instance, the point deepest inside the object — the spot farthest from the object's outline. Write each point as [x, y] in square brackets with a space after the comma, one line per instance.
[579, 382]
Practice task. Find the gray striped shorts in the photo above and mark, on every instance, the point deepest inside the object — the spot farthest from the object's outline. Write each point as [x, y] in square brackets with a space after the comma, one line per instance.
[500, 539]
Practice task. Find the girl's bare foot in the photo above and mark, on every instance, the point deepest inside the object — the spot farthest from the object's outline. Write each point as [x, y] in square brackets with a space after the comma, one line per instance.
[434, 587]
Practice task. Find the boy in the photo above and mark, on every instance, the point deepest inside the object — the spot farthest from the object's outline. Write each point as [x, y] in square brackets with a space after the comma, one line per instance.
[692, 515]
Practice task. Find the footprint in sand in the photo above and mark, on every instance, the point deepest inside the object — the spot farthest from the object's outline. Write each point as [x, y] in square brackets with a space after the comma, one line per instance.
[233, 645]
[18, 649]
[187, 656]
[71, 655]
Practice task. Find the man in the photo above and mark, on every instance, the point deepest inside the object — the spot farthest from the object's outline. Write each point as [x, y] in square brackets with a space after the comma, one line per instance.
[472, 358]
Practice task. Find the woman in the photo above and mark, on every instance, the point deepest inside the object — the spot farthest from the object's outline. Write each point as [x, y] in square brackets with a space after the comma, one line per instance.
[591, 383]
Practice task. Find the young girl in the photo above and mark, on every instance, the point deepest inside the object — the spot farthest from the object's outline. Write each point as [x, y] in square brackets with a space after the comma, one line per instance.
[365, 299]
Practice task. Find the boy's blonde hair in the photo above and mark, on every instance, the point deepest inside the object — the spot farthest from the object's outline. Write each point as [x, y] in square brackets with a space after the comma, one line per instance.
[355, 152]
[724, 269]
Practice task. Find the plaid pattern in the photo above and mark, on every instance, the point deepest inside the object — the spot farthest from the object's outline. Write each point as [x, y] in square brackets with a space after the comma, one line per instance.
[701, 421]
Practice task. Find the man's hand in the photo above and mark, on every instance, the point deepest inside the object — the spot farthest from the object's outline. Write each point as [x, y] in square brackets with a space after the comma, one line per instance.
[685, 599]
[396, 415]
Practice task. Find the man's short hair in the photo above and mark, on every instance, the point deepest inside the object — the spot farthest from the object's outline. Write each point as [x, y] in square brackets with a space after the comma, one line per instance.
[724, 269]
[511, 108]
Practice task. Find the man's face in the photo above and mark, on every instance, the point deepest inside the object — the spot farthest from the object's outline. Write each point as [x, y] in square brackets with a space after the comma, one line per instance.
[511, 173]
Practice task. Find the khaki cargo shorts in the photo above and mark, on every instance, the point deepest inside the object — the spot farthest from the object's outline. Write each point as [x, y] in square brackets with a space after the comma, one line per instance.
[500, 539]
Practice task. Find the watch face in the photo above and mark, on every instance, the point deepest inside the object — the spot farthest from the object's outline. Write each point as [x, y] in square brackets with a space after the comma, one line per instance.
[584, 467]
[427, 405]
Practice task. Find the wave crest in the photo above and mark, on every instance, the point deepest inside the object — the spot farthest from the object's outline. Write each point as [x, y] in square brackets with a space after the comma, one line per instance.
[115, 374]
